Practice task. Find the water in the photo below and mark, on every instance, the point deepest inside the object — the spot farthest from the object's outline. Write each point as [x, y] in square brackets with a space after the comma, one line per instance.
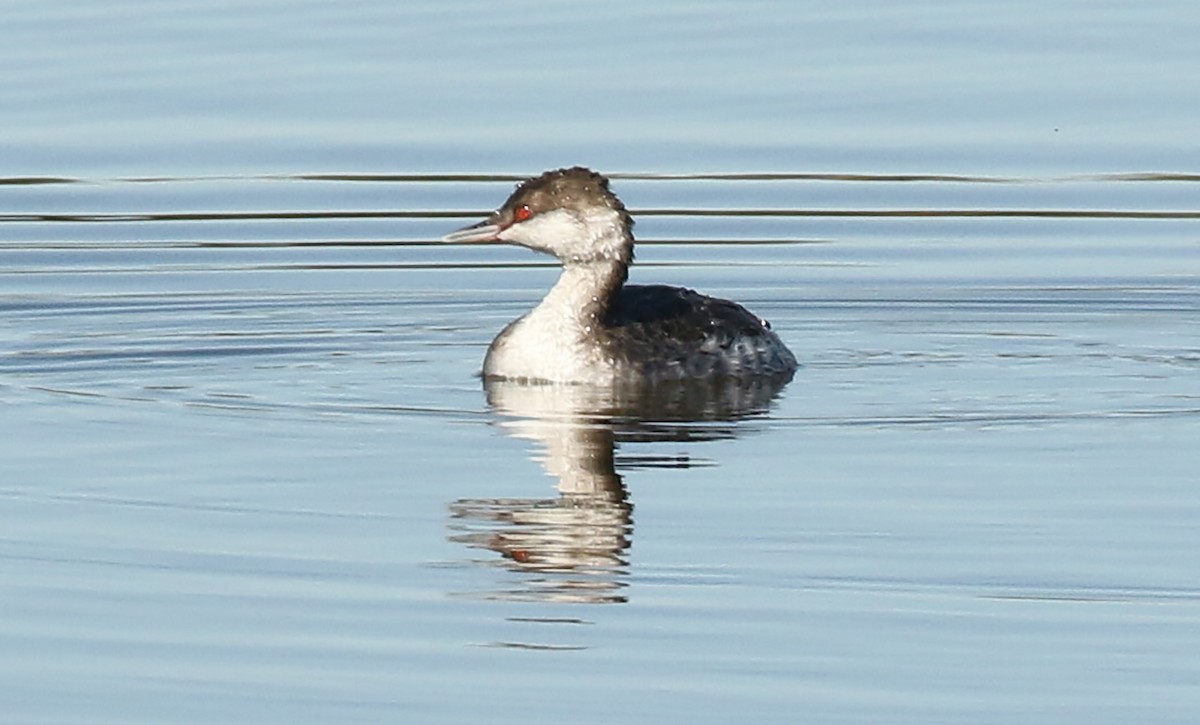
[247, 473]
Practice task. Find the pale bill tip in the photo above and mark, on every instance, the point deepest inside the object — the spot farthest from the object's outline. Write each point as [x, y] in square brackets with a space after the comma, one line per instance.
[475, 233]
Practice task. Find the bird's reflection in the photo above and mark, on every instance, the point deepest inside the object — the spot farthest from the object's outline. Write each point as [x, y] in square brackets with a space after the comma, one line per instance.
[574, 547]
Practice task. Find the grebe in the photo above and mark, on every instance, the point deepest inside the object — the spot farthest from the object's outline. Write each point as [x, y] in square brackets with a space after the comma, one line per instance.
[592, 327]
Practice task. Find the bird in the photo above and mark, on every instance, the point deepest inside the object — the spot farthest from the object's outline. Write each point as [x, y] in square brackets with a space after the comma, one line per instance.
[592, 327]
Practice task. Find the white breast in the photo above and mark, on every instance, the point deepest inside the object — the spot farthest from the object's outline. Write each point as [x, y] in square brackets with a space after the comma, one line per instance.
[536, 348]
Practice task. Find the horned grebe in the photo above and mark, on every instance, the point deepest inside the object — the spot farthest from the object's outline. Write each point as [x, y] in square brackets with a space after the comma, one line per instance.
[591, 327]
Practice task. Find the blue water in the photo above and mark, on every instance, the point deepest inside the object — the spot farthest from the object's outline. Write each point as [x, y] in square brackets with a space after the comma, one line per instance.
[248, 472]
[1029, 88]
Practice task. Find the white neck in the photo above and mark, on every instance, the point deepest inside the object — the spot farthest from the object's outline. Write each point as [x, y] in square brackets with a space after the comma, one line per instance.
[558, 339]
[581, 294]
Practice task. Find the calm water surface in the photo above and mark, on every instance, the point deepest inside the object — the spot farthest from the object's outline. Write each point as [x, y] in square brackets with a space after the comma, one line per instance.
[248, 472]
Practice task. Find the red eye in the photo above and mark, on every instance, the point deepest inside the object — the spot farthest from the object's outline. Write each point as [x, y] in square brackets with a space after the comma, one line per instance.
[522, 213]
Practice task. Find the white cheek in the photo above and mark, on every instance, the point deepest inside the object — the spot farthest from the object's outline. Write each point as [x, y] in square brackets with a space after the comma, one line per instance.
[549, 232]
[595, 235]
[607, 233]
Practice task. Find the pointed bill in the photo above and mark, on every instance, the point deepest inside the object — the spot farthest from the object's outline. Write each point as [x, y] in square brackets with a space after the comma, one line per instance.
[481, 232]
